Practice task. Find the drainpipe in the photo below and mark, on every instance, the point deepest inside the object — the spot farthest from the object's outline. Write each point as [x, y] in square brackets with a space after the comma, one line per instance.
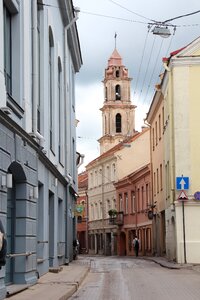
[35, 54]
[171, 114]
[154, 250]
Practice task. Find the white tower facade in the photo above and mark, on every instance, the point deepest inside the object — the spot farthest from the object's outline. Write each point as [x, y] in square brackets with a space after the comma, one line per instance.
[118, 114]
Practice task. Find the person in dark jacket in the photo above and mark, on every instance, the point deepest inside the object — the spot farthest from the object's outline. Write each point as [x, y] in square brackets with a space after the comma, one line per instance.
[136, 245]
[3, 250]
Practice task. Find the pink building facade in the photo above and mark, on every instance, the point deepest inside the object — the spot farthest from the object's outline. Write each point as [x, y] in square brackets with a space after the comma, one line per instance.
[134, 200]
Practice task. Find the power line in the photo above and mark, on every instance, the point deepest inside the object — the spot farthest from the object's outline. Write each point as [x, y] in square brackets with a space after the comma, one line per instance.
[151, 77]
[131, 11]
[112, 17]
[144, 48]
[182, 16]
[147, 67]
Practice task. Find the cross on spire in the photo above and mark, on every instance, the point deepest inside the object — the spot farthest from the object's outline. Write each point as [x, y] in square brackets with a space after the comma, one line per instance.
[115, 40]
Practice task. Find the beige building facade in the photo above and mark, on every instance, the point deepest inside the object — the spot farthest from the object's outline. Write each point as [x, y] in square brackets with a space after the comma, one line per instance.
[155, 118]
[179, 94]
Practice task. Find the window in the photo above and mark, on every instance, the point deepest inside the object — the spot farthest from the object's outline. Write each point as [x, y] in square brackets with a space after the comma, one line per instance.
[108, 206]
[153, 139]
[117, 73]
[138, 200]
[142, 199]
[114, 206]
[100, 176]
[159, 126]
[91, 180]
[96, 211]
[120, 203]
[163, 121]
[118, 123]
[106, 93]
[126, 202]
[161, 178]
[147, 194]
[156, 133]
[117, 92]
[154, 183]
[107, 174]
[113, 172]
[60, 113]
[157, 175]
[105, 125]
[100, 211]
[133, 202]
[51, 72]
[12, 35]
[95, 178]
[7, 50]
[38, 69]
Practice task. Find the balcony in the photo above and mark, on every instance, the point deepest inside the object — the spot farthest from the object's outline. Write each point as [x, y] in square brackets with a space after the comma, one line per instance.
[118, 219]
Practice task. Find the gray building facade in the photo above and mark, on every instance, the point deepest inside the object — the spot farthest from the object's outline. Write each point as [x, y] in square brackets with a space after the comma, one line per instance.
[38, 172]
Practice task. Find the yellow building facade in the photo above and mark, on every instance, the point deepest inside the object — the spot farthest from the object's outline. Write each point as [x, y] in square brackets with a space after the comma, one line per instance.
[181, 93]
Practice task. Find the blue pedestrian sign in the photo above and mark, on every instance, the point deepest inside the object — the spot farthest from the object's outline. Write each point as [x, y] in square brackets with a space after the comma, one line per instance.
[182, 183]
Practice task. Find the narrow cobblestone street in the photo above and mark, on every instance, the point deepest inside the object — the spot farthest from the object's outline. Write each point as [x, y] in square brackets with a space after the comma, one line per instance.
[114, 278]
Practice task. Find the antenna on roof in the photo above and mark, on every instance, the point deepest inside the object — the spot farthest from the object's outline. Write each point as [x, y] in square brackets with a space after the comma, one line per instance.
[115, 40]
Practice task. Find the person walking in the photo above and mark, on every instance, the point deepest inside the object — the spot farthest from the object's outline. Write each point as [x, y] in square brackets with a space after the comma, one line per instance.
[3, 246]
[136, 245]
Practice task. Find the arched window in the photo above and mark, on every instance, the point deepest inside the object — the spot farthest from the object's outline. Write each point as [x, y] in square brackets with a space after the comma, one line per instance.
[117, 73]
[106, 93]
[118, 123]
[117, 92]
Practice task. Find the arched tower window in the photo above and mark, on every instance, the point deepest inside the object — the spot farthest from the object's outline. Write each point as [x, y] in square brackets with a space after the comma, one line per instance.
[117, 92]
[117, 73]
[118, 123]
[106, 93]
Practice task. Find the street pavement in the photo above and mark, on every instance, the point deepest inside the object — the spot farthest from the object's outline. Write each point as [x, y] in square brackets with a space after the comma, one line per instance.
[55, 286]
[62, 285]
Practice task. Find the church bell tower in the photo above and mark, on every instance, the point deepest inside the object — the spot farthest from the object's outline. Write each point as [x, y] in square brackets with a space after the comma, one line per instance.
[118, 114]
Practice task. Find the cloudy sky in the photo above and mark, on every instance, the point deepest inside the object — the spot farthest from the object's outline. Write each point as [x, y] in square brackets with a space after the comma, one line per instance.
[140, 49]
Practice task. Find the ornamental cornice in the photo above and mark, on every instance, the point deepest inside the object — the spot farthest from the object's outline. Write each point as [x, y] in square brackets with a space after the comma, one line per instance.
[185, 61]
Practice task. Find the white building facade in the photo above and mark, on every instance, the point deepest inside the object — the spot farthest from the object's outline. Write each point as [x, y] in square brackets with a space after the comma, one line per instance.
[39, 57]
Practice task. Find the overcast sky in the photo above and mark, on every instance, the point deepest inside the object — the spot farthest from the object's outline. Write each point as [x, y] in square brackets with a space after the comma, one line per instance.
[140, 49]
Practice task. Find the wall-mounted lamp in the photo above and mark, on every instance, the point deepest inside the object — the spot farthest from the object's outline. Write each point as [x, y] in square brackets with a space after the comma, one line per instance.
[6, 181]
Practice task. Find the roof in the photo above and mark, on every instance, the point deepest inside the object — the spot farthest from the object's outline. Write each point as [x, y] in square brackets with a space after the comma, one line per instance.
[115, 59]
[117, 147]
[83, 179]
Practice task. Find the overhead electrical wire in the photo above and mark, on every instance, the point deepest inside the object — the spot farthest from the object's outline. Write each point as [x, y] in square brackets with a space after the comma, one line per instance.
[116, 3]
[154, 68]
[133, 21]
[138, 76]
[112, 17]
[182, 16]
[147, 67]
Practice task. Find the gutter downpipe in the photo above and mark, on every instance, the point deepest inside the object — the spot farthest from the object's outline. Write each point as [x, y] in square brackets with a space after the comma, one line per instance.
[68, 238]
[35, 54]
[152, 192]
[172, 154]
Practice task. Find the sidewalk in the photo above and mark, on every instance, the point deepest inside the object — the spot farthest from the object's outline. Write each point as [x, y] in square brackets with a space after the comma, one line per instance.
[162, 261]
[55, 286]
